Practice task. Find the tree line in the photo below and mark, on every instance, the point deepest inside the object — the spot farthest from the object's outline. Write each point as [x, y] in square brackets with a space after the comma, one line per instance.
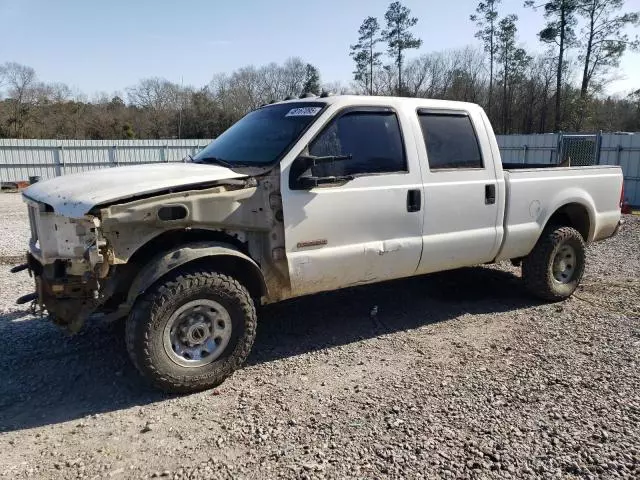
[154, 108]
[521, 91]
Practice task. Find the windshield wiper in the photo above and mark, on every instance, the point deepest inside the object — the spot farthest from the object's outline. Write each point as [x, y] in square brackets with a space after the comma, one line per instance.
[216, 160]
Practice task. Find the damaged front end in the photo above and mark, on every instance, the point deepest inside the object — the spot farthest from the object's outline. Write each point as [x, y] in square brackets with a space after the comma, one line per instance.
[97, 262]
[68, 259]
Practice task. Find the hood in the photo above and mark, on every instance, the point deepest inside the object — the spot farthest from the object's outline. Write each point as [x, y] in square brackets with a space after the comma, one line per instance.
[74, 195]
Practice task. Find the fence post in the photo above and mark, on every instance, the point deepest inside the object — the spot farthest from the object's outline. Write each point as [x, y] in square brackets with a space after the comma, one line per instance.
[524, 156]
[559, 149]
[58, 160]
[194, 150]
[598, 147]
[113, 156]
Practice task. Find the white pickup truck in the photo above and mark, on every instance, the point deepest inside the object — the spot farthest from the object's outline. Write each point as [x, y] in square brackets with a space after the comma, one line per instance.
[299, 197]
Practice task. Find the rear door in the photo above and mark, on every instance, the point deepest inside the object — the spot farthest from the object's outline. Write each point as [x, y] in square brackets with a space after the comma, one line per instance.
[365, 229]
[462, 204]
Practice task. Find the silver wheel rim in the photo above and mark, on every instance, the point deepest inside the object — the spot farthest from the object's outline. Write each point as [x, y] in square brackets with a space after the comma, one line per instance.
[564, 264]
[197, 333]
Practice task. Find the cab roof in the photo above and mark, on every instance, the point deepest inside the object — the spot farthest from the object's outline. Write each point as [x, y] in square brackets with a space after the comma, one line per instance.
[362, 100]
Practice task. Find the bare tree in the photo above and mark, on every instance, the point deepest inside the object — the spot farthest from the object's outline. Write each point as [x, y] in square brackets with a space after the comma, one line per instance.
[385, 80]
[534, 100]
[466, 80]
[20, 81]
[295, 74]
[336, 88]
[455, 74]
[59, 92]
[154, 93]
[250, 87]
[160, 98]
[417, 75]
[2, 78]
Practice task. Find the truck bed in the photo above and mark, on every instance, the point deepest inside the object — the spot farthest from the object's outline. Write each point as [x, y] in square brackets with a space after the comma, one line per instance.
[533, 194]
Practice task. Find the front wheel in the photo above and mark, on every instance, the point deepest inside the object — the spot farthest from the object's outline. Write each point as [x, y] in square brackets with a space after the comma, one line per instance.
[191, 331]
[555, 266]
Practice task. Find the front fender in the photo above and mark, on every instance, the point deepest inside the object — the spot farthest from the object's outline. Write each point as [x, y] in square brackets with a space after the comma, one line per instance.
[165, 262]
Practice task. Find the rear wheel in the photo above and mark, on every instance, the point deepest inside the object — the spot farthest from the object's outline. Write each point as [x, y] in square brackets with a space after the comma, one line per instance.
[191, 331]
[555, 266]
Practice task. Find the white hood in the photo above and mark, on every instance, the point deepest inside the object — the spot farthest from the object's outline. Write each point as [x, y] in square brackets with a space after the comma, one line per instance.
[74, 195]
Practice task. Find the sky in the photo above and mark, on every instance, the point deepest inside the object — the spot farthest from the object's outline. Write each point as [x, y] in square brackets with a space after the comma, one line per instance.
[106, 46]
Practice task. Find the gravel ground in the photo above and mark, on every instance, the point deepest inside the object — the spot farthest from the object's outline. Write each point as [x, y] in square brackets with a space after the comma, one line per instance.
[460, 375]
[14, 227]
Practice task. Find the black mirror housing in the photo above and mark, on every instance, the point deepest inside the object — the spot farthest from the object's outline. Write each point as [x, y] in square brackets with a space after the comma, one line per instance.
[304, 163]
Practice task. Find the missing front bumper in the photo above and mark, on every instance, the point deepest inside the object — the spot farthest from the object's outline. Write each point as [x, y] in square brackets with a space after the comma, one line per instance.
[69, 300]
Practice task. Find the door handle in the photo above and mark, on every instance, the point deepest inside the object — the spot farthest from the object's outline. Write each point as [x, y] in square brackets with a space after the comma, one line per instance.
[413, 200]
[489, 194]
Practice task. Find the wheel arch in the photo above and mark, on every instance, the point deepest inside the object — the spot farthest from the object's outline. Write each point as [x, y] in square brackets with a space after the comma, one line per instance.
[576, 215]
[222, 257]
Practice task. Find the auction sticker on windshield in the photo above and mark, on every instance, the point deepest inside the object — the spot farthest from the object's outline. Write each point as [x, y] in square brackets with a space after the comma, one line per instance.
[303, 112]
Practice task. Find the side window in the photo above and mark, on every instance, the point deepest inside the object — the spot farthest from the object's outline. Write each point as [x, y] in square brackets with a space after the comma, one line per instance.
[372, 139]
[450, 140]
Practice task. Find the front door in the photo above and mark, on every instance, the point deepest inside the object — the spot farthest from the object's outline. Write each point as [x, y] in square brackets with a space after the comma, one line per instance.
[360, 230]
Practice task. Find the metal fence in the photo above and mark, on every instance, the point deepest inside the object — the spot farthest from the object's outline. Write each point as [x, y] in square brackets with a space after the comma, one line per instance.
[604, 149]
[21, 159]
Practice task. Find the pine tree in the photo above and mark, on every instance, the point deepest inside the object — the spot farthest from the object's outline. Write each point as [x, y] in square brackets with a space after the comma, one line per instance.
[364, 54]
[398, 36]
[561, 21]
[486, 18]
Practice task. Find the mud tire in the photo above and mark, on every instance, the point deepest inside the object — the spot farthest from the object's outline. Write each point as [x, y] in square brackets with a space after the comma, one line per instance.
[537, 267]
[147, 320]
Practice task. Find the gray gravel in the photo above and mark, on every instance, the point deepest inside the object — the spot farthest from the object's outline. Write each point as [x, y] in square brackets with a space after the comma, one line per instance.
[460, 375]
[14, 227]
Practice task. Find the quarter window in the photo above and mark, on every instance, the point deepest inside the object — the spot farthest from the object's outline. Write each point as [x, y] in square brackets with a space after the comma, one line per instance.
[450, 140]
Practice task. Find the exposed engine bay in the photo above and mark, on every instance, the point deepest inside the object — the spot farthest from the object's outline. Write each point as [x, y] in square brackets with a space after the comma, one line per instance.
[99, 263]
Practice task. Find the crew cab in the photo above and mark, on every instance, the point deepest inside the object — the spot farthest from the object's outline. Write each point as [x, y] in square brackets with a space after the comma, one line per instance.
[299, 197]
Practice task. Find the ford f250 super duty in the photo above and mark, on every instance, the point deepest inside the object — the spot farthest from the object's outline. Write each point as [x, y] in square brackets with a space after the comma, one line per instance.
[299, 197]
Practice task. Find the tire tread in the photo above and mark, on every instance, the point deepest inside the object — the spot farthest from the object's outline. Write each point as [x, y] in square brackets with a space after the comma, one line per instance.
[147, 309]
[535, 267]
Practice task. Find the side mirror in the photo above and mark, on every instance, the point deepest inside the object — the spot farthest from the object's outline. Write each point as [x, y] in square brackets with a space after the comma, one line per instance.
[302, 176]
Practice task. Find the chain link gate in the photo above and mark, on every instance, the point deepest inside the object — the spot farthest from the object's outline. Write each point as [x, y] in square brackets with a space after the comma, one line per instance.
[578, 150]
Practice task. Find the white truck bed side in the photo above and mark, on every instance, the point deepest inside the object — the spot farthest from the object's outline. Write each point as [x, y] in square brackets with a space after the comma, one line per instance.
[534, 195]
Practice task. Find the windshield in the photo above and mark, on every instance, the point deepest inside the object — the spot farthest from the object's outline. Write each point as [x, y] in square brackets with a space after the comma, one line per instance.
[262, 136]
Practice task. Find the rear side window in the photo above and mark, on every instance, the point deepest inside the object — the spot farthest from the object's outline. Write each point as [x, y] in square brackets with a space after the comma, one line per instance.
[372, 139]
[450, 140]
